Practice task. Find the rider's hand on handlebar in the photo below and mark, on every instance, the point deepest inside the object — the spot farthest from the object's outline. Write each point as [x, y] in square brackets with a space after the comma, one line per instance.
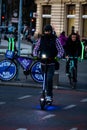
[56, 58]
[35, 57]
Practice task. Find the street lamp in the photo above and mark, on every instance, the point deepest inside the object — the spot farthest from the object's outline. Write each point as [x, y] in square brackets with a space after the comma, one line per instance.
[19, 25]
[0, 18]
[19, 32]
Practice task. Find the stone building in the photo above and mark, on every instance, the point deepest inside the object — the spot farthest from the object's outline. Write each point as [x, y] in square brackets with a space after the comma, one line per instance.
[64, 15]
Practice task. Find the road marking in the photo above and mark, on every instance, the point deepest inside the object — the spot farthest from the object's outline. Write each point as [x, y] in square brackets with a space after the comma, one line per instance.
[69, 106]
[23, 97]
[21, 129]
[1, 103]
[84, 100]
[74, 129]
[48, 116]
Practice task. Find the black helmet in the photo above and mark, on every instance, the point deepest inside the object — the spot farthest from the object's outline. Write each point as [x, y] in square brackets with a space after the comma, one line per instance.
[48, 28]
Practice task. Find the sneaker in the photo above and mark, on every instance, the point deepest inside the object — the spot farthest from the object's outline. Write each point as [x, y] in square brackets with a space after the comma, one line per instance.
[49, 99]
[67, 74]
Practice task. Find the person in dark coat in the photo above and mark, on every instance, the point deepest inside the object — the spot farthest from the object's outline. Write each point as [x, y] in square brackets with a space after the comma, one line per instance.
[73, 48]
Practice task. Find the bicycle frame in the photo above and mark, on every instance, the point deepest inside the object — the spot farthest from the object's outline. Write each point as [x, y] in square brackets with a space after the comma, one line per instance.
[71, 66]
[72, 71]
[25, 62]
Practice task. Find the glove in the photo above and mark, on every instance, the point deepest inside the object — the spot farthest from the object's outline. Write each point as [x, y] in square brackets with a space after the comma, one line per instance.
[79, 59]
[56, 58]
[35, 57]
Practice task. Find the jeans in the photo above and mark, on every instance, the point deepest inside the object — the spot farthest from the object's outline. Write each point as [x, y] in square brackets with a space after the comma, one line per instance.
[49, 78]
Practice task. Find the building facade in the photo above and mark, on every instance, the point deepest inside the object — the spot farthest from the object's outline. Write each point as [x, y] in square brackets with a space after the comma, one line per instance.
[63, 15]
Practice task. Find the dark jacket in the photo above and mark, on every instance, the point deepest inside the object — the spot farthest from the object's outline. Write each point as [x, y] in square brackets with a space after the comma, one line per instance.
[48, 46]
[55, 41]
[73, 48]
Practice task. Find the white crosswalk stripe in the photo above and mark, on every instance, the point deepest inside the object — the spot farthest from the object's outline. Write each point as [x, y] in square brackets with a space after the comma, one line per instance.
[23, 97]
[1, 103]
[69, 106]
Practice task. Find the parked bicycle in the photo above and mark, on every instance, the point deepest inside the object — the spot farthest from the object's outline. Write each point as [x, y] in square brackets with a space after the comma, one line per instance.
[9, 67]
[72, 71]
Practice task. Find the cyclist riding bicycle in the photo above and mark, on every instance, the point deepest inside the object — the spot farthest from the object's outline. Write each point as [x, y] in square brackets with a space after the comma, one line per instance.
[49, 44]
[72, 49]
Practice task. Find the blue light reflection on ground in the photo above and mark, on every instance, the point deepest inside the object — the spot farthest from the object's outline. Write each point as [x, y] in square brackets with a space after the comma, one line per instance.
[50, 107]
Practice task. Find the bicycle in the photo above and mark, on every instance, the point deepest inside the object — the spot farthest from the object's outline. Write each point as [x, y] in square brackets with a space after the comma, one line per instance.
[9, 67]
[72, 71]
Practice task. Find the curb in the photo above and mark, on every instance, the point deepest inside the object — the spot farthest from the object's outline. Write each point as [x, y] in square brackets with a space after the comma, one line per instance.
[19, 84]
[32, 85]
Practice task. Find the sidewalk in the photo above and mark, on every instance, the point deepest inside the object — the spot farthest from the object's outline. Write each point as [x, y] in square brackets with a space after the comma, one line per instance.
[25, 47]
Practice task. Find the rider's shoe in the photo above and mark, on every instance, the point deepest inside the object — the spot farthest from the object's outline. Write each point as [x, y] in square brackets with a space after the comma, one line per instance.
[74, 85]
[49, 99]
[67, 74]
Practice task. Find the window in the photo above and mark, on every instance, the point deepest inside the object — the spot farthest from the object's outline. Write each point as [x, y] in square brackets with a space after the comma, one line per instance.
[85, 9]
[84, 15]
[46, 9]
[71, 9]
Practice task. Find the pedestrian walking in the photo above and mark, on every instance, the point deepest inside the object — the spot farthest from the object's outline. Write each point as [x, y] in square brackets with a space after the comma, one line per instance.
[63, 39]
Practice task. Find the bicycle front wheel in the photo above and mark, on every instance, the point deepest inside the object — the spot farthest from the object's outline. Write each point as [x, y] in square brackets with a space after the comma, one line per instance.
[8, 70]
[36, 72]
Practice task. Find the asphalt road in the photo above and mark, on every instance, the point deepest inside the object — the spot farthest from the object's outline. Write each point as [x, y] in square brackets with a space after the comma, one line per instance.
[20, 110]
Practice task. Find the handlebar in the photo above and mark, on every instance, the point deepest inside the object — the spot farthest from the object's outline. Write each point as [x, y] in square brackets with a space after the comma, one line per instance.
[72, 57]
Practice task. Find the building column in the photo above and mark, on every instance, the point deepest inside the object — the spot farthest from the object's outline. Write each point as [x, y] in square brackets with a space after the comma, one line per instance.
[39, 19]
[77, 18]
[57, 17]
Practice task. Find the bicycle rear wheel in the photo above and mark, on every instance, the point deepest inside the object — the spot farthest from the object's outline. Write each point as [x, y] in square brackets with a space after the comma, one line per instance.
[72, 78]
[8, 70]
